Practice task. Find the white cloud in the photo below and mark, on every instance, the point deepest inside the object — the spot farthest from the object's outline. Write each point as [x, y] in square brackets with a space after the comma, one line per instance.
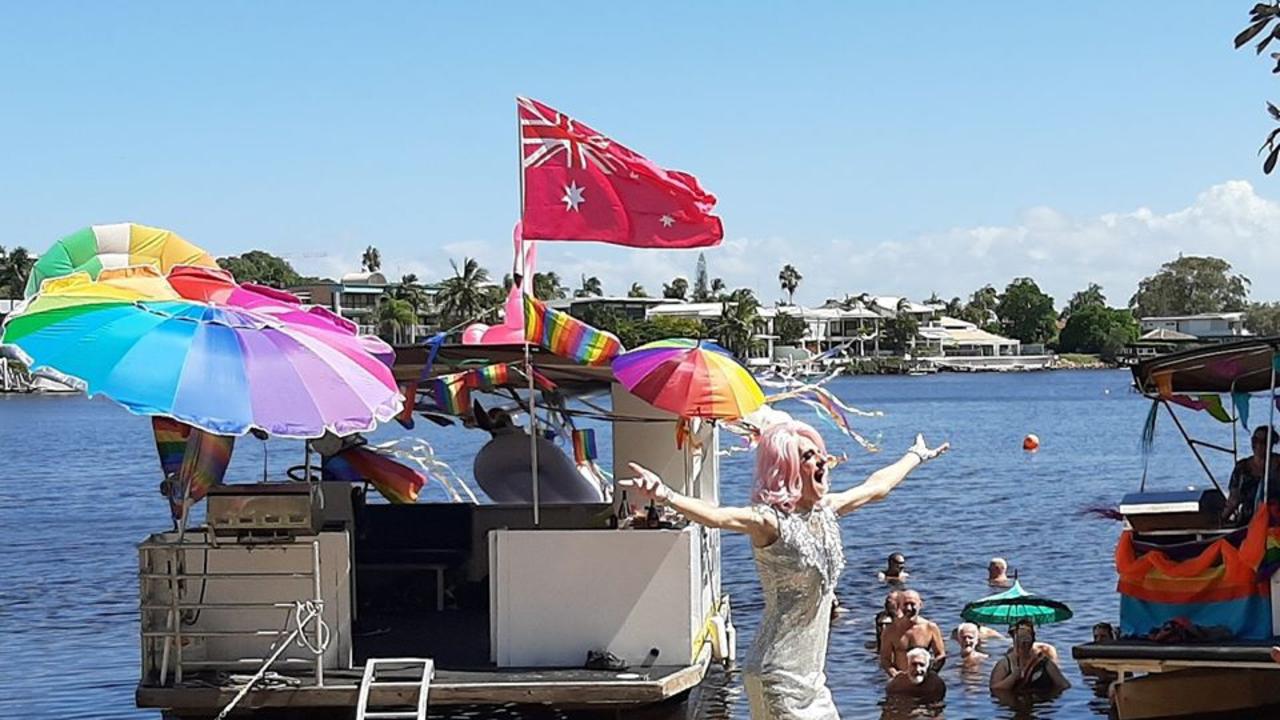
[1062, 253]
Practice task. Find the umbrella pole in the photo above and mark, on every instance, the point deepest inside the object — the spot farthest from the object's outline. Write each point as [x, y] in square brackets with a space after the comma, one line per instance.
[533, 431]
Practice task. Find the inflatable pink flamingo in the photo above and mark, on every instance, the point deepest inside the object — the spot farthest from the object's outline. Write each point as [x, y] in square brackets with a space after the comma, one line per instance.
[511, 331]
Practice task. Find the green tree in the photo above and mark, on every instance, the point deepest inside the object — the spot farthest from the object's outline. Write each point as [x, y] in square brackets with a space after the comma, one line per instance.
[395, 319]
[701, 286]
[1190, 285]
[15, 269]
[1263, 318]
[590, 287]
[371, 259]
[263, 268]
[677, 290]
[1098, 329]
[1260, 17]
[717, 289]
[547, 286]
[898, 333]
[738, 322]
[981, 308]
[660, 328]
[1091, 295]
[955, 308]
[790, 329]
[790, 279]
[1026, 313]
[465, 296]
[637, 291]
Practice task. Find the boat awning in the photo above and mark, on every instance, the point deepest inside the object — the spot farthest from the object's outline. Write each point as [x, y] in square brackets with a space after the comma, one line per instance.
[456, 358]
[1230, 367]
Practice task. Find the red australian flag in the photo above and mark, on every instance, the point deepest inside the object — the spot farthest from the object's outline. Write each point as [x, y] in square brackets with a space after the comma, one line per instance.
[581, 185]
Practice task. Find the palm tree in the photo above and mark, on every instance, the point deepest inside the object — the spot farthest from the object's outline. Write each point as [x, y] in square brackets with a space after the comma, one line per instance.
[717, 287]
[393, 317]
[15, 268]
[739, 316]
[790, 279]
[590, 286]
[412, 292]
[371, 260]
[677, 290]
[637, 291]
[547, 286]
[464, 296]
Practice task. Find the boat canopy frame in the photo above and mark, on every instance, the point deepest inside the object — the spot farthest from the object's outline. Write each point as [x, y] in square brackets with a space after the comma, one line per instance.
[1247, 366]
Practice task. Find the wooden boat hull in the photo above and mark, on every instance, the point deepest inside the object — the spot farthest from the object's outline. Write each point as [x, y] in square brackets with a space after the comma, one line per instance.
[1196, 692]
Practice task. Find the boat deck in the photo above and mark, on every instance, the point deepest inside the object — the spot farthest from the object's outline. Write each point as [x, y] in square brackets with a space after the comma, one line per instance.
[569, 688]
[1146, 656]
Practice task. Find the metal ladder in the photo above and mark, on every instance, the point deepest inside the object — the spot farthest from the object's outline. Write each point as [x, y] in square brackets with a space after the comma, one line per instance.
[370, 681]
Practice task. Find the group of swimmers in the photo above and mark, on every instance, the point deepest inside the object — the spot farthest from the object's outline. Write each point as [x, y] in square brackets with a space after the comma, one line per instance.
[912, 649]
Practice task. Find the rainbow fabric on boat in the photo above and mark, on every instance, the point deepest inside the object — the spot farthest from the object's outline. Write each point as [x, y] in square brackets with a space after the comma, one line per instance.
[567, 336]
[1221, 585]
[584, 446]
[398, 483]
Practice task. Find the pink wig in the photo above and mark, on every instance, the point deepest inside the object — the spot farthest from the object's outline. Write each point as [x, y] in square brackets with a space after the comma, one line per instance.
[778, 464]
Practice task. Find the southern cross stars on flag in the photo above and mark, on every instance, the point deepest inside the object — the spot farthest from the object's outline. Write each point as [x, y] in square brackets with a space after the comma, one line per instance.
[581, 185]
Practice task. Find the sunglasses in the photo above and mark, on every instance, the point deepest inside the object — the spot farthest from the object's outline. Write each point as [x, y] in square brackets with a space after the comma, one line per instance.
[808, 455]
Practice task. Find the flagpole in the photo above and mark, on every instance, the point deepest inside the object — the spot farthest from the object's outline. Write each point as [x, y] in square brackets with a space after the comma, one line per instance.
[525, 288]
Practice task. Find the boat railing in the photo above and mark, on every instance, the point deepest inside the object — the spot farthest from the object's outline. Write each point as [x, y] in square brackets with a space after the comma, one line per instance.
[166, 581]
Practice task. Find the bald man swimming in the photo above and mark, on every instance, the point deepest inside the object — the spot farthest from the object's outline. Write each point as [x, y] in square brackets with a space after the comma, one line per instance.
[908, 632]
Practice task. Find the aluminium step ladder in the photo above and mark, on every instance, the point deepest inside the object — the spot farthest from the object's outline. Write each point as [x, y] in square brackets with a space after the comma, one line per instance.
[371, 681]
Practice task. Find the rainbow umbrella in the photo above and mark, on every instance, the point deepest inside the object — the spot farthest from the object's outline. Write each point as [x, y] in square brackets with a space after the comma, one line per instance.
[130, 336]
[691, 378]
[98, 247]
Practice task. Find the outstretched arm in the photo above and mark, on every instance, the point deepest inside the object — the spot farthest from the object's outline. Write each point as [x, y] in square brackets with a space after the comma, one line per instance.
[762, 527]
[884, 480]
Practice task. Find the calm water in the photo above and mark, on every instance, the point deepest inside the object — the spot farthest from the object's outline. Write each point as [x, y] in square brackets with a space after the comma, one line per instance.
[80, 489]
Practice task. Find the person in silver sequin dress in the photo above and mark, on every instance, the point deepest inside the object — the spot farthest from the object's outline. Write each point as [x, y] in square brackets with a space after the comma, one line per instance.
[795, 538]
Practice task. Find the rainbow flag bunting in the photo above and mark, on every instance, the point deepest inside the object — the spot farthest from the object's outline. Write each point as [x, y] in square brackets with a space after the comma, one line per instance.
[451, 393]
[567, 336]
[487, 377]
[204, 464]
[171, 441]
[584, 446]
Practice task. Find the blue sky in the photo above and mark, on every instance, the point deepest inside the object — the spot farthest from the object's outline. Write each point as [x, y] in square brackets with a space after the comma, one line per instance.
[896, 148]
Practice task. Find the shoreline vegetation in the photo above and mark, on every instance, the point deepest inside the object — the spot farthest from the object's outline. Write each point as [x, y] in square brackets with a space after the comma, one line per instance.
[861, 333]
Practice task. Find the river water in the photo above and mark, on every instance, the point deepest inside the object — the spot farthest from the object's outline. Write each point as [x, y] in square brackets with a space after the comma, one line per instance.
[80, 490]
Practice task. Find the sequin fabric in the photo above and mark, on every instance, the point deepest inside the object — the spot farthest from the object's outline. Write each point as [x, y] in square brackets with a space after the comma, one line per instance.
[785, 673]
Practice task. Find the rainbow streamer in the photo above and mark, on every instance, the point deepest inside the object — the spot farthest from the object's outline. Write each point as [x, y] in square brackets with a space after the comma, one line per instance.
[830, 409]
[567, 336]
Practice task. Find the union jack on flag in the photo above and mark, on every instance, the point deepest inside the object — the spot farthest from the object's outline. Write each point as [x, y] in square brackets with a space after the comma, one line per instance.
[548, 135]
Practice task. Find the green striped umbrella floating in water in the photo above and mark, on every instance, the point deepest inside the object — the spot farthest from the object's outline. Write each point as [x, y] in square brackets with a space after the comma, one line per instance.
[1014, 604]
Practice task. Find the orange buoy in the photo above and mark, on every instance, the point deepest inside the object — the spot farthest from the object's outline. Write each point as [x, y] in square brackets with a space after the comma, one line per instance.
[1030, 443]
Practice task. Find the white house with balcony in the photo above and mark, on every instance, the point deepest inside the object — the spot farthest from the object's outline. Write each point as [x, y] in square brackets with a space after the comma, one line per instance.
[1206, 327]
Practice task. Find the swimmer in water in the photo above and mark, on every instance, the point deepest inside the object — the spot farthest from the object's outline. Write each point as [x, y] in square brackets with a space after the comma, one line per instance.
[997, 573]
[919, 680]
[908, 632]
[968, 636]
[885, 617]
[1027, 667]
[895, 569]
